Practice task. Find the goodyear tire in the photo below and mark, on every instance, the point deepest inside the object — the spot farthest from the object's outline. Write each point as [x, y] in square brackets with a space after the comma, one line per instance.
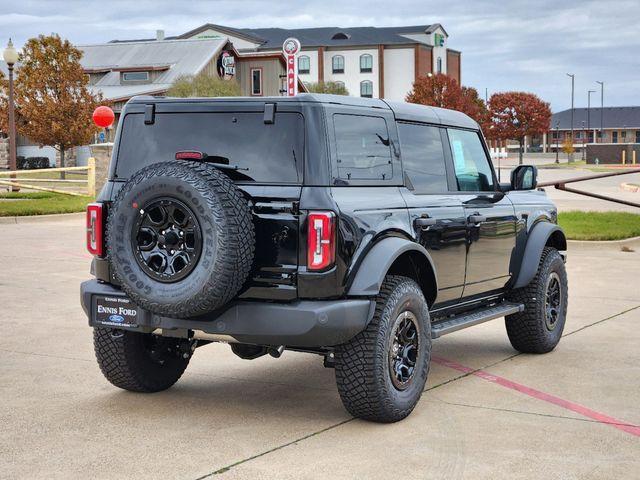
[539, 327]
[140, 362]
[180, 239]
[382, 371]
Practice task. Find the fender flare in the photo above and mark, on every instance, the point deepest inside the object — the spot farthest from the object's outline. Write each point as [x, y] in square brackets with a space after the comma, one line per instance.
[536, 241]
[370, 275]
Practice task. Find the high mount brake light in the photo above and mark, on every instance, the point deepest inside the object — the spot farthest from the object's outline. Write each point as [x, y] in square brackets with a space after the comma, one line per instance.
[190, 155]
[321, 240]
[94, 229]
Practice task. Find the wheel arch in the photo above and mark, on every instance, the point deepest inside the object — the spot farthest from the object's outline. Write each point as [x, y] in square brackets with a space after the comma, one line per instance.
[395, 256]
[543, 234]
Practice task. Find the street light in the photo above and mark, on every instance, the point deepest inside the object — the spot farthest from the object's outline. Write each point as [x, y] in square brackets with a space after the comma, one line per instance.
[573, 77]
[10, 56]
[557, 140]
[601, 110]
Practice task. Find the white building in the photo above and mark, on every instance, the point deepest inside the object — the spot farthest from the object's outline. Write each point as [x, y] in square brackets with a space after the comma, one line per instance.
[369, 61]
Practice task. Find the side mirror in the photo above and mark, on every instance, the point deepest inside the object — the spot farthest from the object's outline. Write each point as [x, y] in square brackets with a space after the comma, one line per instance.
[524, 177]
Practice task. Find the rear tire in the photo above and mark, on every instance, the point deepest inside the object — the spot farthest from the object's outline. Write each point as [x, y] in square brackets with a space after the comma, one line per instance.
[382, 371]
[539, 327]
[139, 362]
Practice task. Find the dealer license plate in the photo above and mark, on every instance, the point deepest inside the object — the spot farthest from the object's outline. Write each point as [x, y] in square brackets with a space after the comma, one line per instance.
[115, 311]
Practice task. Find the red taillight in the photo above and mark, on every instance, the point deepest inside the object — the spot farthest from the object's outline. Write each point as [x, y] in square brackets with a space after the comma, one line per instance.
[190, 155]
[94, 229]
[321, 240]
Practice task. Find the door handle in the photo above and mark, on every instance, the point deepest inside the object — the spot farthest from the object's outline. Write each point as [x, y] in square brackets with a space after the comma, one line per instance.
[424, 222]
[476, 218]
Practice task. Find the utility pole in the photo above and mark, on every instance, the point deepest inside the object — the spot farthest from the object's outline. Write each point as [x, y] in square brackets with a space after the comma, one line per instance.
[573, 78]
[10, 56]
[601, 110]
[589, 111]
[557, 142]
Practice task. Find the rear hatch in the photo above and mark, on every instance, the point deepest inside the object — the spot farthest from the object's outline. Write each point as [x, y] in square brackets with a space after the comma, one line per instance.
[264, 158]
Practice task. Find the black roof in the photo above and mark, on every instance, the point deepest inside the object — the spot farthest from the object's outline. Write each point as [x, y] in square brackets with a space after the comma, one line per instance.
[614, 117]
[273, 38]
[324, 36]
[401, 110]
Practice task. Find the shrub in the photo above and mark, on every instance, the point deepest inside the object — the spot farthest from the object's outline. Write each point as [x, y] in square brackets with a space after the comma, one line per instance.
[32, 163]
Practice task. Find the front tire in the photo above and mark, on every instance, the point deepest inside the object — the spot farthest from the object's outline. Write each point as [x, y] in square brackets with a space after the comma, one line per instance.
[382, 371]
[140, 362]
[539, 327]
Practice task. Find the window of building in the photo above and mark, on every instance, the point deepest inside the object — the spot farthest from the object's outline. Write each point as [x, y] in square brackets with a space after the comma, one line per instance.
[363, 147]
[578, 135]
[614, 138]
[439, 65]
[423, 157]
[473, 172]
[304, 64]
[366, 63]
[623, 134]
[590, 140]
[340, 36]
[554, 135]
[256, 81]
[637, 136]
[366, 89]
[135, 76]
[337, 63]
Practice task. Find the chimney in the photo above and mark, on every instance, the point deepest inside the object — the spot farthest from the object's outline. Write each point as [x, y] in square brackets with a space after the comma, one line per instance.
[159, 35]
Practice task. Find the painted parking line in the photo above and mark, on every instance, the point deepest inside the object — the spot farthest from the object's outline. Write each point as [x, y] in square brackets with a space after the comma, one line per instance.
[546, 397]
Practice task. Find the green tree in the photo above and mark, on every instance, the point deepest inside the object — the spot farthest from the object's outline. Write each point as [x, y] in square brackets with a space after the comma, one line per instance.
[334, 88]
[203, 85]
[52, 97]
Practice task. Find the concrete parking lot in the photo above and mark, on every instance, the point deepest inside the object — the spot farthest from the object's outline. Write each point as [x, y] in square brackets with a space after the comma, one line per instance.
[488, 412]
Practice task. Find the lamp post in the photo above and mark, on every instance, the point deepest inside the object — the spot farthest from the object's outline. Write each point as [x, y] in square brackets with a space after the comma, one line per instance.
[573, 78]
[10, 56]
[601, 110]
[557, 140]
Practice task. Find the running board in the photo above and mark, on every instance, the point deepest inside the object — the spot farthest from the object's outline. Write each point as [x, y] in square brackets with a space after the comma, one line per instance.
[475, 317]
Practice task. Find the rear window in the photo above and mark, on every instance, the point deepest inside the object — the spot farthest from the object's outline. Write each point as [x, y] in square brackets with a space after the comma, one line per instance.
[265, 153]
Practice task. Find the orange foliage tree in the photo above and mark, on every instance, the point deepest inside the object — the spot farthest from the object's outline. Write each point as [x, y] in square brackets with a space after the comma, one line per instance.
[52, 95]
[514, 115]
[4, 113]
[443, 91]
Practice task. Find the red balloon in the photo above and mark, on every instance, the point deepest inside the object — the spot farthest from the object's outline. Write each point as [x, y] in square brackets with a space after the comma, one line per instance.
[103, 116]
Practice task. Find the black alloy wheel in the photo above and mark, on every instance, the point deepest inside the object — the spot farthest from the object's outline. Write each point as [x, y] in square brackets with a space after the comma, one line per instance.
[403, 351]
[553, 301]
[167, 239]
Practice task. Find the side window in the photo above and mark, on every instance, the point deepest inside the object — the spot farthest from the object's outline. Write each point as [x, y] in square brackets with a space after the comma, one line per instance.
[473, 172]
[423, 157]
[363, 147]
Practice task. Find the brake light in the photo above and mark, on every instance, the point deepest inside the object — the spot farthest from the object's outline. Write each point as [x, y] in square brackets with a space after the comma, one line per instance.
[190, 155]
[94, 229]
[321, 240]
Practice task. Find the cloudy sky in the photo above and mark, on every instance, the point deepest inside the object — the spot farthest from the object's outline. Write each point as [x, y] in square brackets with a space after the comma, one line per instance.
[505, 44]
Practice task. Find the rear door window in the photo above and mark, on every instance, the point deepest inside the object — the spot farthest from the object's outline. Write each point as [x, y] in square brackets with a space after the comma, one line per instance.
[423, 157]
[363, 147]
[473, 171]
[264, 153]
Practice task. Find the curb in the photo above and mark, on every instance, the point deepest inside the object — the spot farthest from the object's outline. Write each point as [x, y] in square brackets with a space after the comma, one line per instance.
[58, 217]
[630, 187]
[626, 241]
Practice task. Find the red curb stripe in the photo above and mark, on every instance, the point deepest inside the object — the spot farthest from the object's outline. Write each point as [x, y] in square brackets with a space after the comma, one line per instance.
[546, 397]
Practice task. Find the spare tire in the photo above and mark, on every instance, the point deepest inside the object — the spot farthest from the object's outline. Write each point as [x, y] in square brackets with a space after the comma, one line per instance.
[180, 239]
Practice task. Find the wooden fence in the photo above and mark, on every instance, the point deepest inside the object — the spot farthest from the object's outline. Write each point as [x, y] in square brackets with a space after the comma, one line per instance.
[12, 179]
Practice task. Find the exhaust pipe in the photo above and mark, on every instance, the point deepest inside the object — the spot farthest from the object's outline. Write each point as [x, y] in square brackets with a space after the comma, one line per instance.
[276, 352]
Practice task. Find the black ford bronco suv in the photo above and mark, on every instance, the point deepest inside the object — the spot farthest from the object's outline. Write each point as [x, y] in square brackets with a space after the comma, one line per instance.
[356, 229]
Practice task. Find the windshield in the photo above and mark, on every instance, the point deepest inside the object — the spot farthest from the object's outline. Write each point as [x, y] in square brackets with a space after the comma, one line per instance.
[264, 153]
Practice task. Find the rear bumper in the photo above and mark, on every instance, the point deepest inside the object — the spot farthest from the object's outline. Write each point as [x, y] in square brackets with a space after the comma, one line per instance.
[303, 323]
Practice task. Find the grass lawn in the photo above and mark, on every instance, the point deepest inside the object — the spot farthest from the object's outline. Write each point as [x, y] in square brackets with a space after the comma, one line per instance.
[13, 204]
[599, 225]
